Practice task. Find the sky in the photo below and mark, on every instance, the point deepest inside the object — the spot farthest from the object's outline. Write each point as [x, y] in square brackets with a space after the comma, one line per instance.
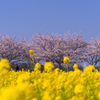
[26, 17]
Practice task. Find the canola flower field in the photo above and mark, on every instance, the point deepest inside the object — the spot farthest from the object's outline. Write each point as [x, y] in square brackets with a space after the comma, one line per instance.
[50, 84]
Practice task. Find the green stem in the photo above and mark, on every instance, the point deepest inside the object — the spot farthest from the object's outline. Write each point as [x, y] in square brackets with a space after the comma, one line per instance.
[32, 66]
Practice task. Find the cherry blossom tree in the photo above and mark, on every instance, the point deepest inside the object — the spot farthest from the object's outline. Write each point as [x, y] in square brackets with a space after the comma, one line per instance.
[12, 49]
[54, 47]
[92, 54]
[76, 46]
[48, 48]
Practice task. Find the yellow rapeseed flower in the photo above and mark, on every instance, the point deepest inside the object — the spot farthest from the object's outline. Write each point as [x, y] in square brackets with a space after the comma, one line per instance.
[79, 88]
[24, 77]
[58, 98]
[12, 93]
[89, 68]
[48, 66]
[38, 66]
[34, 99]
[66, 60]
[5, 64]
[31, 53]
[75, 66]
[99, 95]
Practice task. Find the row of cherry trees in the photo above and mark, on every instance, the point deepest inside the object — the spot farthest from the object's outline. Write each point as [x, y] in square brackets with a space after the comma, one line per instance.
[51, 47]
[54, 47]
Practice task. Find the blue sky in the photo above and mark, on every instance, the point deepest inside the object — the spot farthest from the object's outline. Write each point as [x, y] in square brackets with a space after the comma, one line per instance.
[27, 17]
